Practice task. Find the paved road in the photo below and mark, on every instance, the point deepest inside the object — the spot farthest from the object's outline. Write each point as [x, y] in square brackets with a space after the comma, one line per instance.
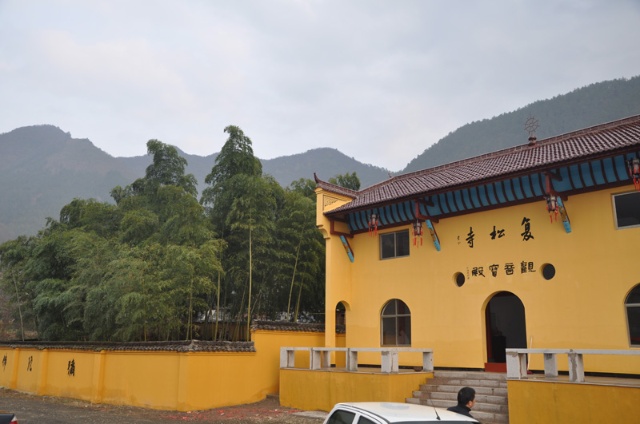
[32, 409]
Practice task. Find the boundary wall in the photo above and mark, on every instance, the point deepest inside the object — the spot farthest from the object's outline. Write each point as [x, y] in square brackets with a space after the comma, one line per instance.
[565, 402]
[574, 398]
[181, 376]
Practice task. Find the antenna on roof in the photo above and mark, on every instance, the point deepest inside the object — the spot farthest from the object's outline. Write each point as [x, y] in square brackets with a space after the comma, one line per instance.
[530, 126]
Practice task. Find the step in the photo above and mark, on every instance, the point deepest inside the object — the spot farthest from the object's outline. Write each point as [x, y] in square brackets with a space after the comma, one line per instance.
[470, 379]
[496, 408]
[480, 399]
[488, 418]
[491, 405]
[474, 375]
[485, 414]
[449, 388]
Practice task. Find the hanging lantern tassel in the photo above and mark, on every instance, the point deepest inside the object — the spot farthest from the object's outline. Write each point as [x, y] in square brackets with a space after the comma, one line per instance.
[552, 206]
[417, 232]
[634, 171]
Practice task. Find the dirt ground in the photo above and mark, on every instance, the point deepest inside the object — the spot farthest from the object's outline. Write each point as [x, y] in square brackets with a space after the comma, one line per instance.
[32, 409]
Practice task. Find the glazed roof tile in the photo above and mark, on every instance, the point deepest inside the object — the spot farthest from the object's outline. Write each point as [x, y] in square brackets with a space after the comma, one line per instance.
[598, 141]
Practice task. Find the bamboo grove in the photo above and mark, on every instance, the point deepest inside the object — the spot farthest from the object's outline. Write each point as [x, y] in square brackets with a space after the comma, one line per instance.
[160, 264]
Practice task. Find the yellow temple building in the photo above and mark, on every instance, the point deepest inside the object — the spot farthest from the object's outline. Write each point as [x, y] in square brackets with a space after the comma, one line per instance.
[535, 246]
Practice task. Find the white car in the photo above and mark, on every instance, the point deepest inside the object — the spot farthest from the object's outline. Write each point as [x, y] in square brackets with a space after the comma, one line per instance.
[391, 412]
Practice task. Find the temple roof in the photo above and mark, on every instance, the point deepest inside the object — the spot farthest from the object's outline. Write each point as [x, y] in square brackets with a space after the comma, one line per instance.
[480, 180]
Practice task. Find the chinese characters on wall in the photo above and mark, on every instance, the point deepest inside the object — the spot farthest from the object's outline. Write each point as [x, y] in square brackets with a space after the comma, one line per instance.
[71, 368]
[507, 268]
[498, 233]
[71, 365]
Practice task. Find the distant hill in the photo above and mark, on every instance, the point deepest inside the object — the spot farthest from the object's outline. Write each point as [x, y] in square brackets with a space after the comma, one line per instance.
[585, 107]
[42, 168]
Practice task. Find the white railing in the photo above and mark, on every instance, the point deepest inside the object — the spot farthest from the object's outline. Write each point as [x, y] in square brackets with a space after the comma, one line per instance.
[320, 357]
[517, 361]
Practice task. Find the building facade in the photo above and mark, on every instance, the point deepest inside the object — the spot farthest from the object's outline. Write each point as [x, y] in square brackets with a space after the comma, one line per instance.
[535, 246]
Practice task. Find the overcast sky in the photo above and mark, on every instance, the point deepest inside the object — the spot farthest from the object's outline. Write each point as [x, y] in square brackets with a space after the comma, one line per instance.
[378, 80]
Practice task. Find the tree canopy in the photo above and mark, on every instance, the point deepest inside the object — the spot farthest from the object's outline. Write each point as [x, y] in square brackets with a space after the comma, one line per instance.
[350, 181]
[161, 265]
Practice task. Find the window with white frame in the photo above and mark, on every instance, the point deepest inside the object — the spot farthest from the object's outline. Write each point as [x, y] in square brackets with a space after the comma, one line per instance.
[627, 209]
[395, 324]
[394, 245]
[632, 305]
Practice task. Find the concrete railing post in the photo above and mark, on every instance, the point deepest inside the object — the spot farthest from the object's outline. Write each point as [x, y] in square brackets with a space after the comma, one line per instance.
[287, 357]
[516, 365]
[388, 361]
[550, 365]
[576, 367]
[352, 360]
[427, 361]
[316, 359]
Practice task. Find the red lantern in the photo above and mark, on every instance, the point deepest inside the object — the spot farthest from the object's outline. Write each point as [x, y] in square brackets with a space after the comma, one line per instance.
[373, 224]
[417, 232]
[634, 171]
[552, 206]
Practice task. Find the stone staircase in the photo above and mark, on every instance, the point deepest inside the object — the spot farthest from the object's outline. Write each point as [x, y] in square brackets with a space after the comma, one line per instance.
[491, 405]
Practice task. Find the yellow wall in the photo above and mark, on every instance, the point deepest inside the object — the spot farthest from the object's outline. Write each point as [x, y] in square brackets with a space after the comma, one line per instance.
[561, 403]
[335, 254]
[166, 380]
[318, 390]
[268, 343]
[582, 307]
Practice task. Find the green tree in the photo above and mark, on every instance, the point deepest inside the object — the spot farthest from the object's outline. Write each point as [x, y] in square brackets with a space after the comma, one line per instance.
[241, 205]
[251, 224]
[235, 158]
[304, 186]
[192, 271]
[301, 250]
[168, 168]
[14, 279]
[124, 272]
[350, 181]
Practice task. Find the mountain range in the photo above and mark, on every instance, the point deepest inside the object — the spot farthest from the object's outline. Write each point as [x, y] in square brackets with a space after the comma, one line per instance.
[42, 167]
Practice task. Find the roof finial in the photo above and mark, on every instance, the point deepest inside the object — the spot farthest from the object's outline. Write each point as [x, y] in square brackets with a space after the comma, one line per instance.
[530, 126]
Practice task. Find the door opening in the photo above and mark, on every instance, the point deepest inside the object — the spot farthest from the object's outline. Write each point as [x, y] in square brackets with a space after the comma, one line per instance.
[506, 328]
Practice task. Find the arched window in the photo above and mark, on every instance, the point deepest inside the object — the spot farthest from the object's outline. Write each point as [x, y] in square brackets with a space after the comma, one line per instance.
[340, 315]
[395, 324]
[633, 315]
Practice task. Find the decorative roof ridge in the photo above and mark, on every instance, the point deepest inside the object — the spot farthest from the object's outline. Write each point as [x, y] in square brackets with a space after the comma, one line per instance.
[509, 150]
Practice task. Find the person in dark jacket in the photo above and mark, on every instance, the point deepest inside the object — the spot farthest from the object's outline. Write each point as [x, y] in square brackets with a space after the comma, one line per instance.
[466, 400]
